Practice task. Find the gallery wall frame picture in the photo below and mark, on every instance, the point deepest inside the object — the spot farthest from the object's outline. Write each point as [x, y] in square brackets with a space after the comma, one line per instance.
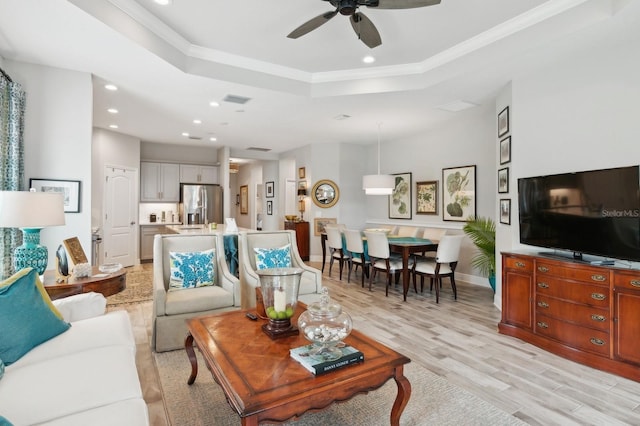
[70, 190]
[269, 189]
[244, 199]
[302, 172]
[503, 181]
[505, 150]
[427, 197]
[458, 193]
[269, 207]
[505, 211]
[503, 122]
[400, 199]
[320, 222]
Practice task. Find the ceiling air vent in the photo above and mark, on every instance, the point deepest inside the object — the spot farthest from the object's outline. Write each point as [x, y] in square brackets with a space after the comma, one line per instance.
[236, 99]
[255, 148]
[195, 138]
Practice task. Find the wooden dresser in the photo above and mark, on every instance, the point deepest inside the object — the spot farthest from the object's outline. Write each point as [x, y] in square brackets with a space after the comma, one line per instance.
[589, 314]
[302, 237]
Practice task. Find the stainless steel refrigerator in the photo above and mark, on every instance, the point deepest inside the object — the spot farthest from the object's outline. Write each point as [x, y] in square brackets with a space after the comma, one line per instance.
[200, 203]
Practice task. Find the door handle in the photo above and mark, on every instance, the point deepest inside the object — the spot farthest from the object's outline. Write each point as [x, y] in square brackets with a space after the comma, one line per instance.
[133, 223]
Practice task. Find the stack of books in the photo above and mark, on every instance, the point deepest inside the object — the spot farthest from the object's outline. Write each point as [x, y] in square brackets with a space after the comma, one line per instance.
[320, 365]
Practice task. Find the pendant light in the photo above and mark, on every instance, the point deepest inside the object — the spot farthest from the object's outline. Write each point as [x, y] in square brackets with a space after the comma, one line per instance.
[378, 184]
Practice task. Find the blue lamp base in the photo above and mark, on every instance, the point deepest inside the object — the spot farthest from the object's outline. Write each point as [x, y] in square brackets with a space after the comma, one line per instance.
[31, 254]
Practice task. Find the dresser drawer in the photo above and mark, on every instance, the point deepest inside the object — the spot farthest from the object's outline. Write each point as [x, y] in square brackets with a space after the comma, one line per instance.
[573, 291]
[586, 339]
[581, 273]
[582, 315]
[626, 280]
[518, 264]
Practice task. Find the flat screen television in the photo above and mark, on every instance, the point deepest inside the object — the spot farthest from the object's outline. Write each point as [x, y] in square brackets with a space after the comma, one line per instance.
[592, 212]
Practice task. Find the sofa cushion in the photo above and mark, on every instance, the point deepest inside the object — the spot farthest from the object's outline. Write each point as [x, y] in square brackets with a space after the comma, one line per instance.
[70, 384]
[273, 257]
[197, 300]
[81, 306]
[112, 329]
[27, 317]
[191, 269]
[130, 412]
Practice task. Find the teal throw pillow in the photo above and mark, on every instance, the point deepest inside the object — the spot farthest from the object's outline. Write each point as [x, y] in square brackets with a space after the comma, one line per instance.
[5, 422]
[191, 269]
[273, 257]
[25, 318]
[1, 368]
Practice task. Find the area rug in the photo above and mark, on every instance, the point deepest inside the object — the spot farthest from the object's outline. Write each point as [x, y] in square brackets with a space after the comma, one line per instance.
[434, 401]
[139, 286]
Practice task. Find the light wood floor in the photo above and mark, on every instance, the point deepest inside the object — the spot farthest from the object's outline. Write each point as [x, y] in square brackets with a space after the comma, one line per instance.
[459, 341]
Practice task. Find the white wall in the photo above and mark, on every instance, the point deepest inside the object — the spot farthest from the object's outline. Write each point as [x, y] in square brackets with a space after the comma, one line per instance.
[57, 136]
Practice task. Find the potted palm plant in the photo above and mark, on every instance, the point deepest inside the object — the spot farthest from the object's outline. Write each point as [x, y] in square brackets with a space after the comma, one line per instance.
[482, 232]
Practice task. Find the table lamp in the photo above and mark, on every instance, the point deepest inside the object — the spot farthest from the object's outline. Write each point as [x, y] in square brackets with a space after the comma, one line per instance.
[31, 211]
[302, 192]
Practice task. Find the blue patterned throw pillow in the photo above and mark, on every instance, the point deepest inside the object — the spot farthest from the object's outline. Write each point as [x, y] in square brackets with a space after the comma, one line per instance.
[273, 257]
[191, 269]
[1, 368]
[5, 422]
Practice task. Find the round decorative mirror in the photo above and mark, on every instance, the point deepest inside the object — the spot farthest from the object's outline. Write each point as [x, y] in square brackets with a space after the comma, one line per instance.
[325, 193]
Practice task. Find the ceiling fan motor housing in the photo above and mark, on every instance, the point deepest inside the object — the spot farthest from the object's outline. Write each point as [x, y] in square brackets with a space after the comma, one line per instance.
[349, 7]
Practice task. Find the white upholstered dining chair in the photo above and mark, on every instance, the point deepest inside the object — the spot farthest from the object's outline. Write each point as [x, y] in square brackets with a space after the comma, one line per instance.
[355, 247]
[444, 265]
[381, 259]
[336, 250]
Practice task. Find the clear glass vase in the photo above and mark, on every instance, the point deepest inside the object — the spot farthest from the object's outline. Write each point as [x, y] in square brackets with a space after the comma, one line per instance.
[279, 288]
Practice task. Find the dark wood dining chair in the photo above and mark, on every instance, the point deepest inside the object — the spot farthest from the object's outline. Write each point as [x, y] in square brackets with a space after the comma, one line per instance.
[444, 265]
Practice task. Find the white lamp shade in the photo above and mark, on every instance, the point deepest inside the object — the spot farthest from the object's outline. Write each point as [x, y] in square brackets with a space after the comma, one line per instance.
[378, 184]
[24, 209]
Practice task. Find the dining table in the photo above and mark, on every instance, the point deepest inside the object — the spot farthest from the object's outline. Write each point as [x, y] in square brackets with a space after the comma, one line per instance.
[405, 246]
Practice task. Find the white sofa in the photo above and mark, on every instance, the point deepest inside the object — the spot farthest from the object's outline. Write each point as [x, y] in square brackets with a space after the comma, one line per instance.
[84, 376]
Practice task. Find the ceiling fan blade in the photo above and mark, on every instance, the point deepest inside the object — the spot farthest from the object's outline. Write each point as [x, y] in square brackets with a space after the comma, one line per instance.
[365, 30]
[404, 4]
[312, 24]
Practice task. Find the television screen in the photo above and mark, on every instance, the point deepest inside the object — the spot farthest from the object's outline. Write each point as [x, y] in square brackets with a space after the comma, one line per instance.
[595, 212]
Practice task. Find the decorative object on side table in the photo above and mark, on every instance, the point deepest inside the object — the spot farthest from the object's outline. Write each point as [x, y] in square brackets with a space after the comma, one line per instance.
[325, 325]
[31, 211]
[279, 288]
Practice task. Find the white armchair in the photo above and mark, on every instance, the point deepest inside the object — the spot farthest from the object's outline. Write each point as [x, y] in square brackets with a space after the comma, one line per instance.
[172, 308]
[310, 283]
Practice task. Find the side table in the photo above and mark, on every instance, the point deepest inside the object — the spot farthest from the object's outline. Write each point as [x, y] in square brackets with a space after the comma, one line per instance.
[107, 284]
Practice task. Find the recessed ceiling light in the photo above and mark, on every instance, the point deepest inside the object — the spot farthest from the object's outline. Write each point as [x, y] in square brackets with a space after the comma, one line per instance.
[163, 2]
[456, 106]
[185, 133]
[341, 117]
[111, 87]
[113, 126]
[196, 121]
[112, 110]
[213, 139]
[214, 104]
[368, 59]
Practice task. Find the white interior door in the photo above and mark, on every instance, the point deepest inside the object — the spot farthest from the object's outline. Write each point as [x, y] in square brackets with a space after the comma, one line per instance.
[120, 216]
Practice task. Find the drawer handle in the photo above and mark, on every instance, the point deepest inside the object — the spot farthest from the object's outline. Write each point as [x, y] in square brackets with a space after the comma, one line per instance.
[598, 277]
[543, 285]
[635, 283]
[600, 318]
[543, 324]
[598, 296]
[543, 304]
[597, 342]
[520, 264]
[543, 269]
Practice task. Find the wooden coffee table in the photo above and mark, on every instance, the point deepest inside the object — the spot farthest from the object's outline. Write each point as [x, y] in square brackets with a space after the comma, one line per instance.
[261, 382]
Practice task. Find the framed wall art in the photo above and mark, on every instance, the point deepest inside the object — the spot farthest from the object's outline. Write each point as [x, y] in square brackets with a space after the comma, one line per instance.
[70, 190]
[302, 172]
[269, 207]
[505, 211]
[427, 197]
[400, 198]
[505, 150]
[244, 199]
[320, 222]
[269, 189]
[458, 193]
[503, 180]
[503, 122]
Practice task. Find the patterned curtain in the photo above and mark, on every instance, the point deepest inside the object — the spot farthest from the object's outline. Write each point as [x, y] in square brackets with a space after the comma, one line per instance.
[12, 104]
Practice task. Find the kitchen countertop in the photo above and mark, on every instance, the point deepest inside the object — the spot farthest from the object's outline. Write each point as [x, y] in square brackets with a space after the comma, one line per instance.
[198, 229]
[159, 223]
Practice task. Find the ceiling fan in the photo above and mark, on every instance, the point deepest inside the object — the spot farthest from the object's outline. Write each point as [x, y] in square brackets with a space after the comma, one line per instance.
[362, 25]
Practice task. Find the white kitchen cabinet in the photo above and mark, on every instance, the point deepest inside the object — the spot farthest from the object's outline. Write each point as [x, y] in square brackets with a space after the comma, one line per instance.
[159, 182]
[191, 173]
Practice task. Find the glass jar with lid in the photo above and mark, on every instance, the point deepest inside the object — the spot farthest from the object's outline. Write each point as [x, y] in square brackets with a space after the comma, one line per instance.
[326, 325]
